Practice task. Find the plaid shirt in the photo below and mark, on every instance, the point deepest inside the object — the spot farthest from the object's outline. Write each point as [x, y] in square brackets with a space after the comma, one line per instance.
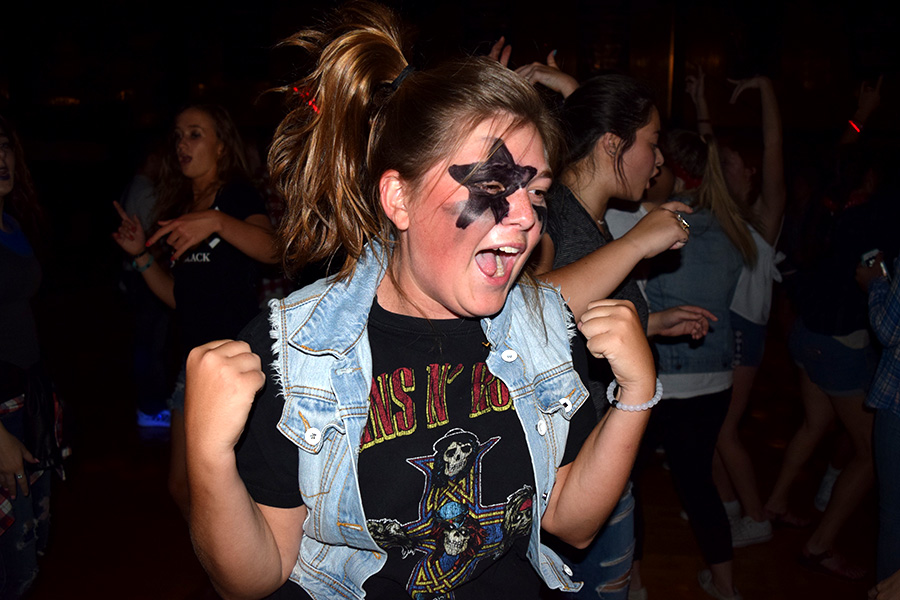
[884, 315]
[7, 517]
[6, 510]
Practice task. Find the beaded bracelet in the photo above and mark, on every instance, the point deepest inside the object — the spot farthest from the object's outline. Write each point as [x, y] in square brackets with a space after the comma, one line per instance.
[629, 407]
[146, 265]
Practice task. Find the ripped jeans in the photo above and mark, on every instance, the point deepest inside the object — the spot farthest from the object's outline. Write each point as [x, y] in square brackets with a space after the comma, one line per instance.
[26, 538]
[605, 565]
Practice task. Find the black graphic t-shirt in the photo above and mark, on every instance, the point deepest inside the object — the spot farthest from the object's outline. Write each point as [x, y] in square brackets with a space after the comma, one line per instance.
[216, 285]
[445, 472]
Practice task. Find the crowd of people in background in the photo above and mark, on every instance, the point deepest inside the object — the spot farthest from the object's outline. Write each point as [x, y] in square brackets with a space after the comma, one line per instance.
[566, 254]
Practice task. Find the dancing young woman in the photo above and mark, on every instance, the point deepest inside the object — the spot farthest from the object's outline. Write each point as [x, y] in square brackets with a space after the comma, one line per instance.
[698, 377]
[612, 128]
[214, 223]
[755, 179]
[418, 426]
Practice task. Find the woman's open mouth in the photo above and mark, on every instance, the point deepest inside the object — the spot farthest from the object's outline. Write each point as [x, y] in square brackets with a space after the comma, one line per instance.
[497, 263]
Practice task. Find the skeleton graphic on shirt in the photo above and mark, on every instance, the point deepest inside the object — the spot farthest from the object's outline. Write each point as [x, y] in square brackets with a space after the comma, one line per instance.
[454, 530]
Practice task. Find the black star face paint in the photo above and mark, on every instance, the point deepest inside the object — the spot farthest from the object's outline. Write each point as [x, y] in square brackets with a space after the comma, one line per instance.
[490, 184]
[541, 212]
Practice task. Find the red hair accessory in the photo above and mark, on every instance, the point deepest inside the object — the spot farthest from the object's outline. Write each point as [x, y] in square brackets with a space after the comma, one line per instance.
[690, 182]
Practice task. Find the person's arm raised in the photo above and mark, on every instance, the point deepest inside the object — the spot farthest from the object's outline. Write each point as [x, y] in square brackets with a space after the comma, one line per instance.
[247, 549]
[869, 100]
[550, 76]
[770, 208]
[695, 87]
[598, 274]
[588, 488]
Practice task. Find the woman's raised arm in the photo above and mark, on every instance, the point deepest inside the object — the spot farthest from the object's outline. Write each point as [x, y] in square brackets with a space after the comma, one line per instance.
[247, 549]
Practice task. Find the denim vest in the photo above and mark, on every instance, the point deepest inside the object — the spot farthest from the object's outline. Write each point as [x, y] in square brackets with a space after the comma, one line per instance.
[324, 363]
[702, 273]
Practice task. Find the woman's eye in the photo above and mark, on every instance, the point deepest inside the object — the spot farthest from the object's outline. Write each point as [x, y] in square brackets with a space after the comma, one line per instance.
[195, 135]
[491, 187]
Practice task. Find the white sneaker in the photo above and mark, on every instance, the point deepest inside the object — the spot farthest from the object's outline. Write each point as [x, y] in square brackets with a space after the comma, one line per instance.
[746, 532]
[706, 582]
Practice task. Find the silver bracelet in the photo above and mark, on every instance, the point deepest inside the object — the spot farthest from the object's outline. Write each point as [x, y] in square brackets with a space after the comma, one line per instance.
[630, 407]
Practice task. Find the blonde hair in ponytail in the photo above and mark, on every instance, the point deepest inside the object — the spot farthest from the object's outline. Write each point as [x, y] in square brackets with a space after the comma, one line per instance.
[699, 156]
[327, 163]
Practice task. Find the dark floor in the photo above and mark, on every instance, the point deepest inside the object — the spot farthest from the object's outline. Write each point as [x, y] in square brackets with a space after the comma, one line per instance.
[117, 535]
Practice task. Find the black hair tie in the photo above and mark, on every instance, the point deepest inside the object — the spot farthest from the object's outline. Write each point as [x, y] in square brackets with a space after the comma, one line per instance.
[403, 74]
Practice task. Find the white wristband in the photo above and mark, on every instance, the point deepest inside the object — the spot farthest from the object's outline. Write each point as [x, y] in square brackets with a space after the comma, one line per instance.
[633, 407]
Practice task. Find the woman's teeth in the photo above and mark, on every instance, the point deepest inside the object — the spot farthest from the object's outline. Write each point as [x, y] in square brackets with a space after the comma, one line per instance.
[497, 261]
[501, 270]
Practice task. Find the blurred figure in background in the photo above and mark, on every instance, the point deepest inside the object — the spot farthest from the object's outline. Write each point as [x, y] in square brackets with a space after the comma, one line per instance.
[151, 315]
[215, 230]
[830, 341]
[24, 486]
[884, 397]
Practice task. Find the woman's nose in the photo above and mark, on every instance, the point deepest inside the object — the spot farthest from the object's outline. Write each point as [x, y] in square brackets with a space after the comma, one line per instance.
[521, 211]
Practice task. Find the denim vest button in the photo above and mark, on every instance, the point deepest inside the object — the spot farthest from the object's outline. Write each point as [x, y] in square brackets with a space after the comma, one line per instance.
[509, 355]
[567, 404]
[567, 570]
[312, 436]
[542, 427]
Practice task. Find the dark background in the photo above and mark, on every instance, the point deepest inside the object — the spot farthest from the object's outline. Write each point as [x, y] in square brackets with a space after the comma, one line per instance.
[88, 83]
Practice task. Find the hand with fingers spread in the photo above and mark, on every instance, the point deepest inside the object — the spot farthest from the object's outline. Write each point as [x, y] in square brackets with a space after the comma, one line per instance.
[614, 332]
[13, 456]
[130, 236]
[549, 75]
[661, 229]
[681, 320]
[500, 51]
[187, 231]
[695, 86]
[222, 380]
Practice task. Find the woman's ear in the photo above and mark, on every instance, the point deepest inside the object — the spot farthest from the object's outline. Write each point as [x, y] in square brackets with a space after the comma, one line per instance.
[610, 143]
[392, 190]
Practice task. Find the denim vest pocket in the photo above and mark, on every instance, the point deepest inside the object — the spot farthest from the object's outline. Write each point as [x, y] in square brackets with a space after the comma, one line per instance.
[560, 389]
[311, 418]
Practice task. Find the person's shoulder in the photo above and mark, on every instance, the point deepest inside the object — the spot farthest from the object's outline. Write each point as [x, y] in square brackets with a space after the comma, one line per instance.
[257, 332]
[546, 298]
[559, 196]
[239, 190]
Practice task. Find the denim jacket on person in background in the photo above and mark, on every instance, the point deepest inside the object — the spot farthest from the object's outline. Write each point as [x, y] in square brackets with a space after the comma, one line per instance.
[702, 273]
[324, 363]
